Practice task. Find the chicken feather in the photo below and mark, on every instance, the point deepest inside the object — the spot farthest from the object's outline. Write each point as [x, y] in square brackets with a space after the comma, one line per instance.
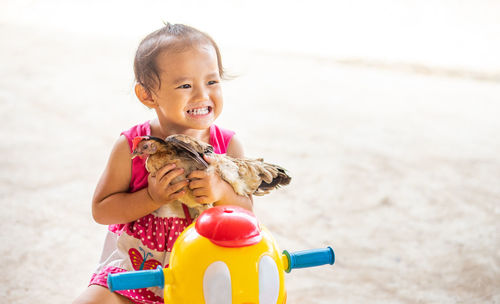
[246, 176]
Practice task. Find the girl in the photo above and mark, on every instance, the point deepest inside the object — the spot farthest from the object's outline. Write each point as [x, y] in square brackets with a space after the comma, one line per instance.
[178, 71]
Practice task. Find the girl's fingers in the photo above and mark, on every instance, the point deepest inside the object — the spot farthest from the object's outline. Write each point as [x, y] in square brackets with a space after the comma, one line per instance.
[200, 192]
[170, 175]
[164, 170]
[207, 158]
[177, 195]
[197, 183]
[197, 174]
[178, 186]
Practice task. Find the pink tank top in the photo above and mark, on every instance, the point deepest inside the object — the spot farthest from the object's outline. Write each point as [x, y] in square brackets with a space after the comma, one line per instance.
[219, 139]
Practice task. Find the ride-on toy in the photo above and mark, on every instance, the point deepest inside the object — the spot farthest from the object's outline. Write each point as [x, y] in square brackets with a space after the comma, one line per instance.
[225, 257]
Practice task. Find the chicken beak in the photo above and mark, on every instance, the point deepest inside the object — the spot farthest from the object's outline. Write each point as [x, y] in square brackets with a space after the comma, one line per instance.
[135, 154]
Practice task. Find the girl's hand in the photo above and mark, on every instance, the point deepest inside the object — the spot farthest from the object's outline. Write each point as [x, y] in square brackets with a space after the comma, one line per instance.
[208, 187]
[160, 187]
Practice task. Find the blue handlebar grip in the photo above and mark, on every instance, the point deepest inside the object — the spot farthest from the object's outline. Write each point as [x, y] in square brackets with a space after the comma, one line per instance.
[309, 258]
[136, 279]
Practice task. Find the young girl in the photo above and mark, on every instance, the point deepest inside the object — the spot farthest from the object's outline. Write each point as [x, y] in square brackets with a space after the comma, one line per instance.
[178, 72]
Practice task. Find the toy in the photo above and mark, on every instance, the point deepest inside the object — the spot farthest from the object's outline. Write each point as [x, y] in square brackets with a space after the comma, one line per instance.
[224, 257]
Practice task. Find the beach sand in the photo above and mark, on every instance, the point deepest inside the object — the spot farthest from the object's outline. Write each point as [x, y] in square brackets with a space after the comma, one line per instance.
[397, 168]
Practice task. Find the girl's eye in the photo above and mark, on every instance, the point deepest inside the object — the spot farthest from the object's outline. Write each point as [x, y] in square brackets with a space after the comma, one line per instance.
[184, 86]
[212, 82]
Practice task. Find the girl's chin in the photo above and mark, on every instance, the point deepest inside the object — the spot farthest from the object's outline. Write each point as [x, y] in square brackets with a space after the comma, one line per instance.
[201, 122]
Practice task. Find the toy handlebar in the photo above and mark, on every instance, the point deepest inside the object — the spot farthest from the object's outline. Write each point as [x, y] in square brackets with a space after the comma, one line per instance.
[150, 278]
[309, 258]
[136, 279]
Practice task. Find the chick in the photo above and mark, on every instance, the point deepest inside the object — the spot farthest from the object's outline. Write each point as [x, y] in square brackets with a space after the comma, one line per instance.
[246, 176]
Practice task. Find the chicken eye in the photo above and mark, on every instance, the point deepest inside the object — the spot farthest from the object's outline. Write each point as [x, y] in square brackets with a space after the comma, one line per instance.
[145, 146]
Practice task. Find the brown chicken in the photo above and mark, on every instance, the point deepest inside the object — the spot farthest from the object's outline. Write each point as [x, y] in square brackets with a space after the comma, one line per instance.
[246, 176]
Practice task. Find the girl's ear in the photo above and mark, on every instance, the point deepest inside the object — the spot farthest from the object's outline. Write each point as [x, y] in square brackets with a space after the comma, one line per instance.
[144, 96]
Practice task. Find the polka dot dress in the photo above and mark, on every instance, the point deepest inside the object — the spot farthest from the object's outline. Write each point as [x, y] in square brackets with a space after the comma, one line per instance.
[146, 243]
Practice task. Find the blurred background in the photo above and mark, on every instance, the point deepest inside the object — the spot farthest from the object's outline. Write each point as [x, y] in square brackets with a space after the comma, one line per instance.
[385, 113]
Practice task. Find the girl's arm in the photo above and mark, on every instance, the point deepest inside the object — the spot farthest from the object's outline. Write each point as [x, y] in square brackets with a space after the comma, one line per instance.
[210, 188]
[113, 204]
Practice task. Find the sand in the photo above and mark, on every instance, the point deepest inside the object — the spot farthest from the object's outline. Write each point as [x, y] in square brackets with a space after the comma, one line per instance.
[394, 166]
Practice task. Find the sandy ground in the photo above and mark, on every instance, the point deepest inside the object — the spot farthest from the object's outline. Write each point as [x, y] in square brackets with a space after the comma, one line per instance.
[396, 168]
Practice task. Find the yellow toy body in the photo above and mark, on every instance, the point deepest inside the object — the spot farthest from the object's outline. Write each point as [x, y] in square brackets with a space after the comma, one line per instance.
[225, 257]
[193, 254]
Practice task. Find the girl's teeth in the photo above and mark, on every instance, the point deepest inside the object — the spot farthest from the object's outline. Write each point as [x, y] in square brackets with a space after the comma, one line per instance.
[201, 111]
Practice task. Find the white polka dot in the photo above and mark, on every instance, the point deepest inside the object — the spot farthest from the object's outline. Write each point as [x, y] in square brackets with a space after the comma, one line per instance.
[170, 238]
[149, 237]
[161, 234]
[161, 245]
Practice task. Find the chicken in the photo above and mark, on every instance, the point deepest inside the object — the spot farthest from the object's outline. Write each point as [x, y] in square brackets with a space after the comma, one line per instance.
[246, 176]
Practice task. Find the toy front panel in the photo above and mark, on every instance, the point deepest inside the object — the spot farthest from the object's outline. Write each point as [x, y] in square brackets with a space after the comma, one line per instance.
[193, 255]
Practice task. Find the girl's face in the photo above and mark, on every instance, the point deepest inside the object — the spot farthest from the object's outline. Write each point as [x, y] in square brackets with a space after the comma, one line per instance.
[190, 95]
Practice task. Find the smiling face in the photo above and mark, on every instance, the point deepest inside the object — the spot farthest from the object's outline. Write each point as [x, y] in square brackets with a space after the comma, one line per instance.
[189, 95]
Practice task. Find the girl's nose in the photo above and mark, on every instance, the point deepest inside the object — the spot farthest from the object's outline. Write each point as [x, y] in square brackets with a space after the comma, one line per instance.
[201, 94]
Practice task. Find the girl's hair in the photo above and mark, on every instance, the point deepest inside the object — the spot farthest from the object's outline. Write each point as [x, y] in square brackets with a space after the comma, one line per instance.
[171, 37]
